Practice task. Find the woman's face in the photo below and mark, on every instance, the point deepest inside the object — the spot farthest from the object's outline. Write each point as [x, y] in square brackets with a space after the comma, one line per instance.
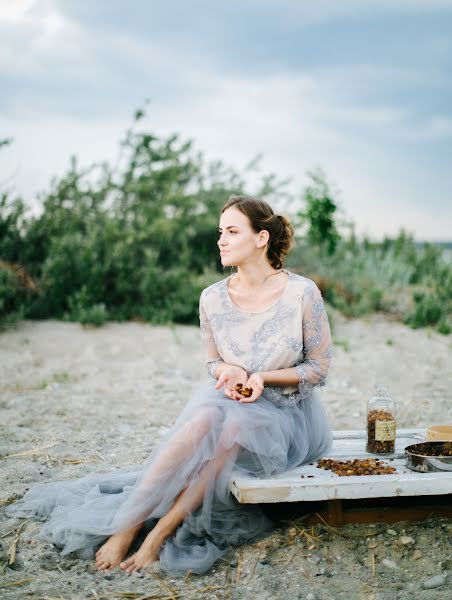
[238, 243]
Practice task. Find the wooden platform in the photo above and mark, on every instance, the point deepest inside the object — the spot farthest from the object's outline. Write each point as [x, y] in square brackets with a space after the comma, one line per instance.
[330, 493]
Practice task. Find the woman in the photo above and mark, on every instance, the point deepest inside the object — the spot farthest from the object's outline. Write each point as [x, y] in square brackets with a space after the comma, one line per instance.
[263, 327]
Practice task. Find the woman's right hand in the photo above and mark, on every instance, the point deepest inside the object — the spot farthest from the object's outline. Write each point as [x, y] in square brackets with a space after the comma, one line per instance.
[230, 376]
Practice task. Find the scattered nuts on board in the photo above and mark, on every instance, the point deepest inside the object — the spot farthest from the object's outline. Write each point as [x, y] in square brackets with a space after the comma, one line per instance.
[245, 391]
[358, 466]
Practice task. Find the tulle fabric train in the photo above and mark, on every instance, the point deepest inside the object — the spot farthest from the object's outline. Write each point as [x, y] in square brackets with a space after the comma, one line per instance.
[212, 436]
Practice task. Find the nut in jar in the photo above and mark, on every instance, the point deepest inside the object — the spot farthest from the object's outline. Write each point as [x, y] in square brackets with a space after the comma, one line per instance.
[381, 423]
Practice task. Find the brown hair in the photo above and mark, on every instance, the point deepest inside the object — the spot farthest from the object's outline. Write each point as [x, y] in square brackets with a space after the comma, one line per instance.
[261, 216]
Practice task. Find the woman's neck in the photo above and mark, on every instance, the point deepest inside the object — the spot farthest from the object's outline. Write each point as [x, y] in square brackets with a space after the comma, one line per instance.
[251, 277]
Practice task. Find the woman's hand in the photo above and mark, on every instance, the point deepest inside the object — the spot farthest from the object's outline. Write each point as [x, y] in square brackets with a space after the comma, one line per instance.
[256, 383]
[229, 378]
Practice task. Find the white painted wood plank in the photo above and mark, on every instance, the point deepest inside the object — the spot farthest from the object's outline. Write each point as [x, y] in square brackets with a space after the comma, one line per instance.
[320, 484]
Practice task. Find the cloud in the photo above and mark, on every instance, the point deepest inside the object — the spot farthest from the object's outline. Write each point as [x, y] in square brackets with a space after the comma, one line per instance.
[381, 128]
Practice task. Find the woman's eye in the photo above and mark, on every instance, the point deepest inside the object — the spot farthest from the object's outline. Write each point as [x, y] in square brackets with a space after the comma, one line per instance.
[219, 233]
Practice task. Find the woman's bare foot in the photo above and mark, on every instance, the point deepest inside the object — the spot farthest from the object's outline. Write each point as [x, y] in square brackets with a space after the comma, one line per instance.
[147, 554]
[115, 549]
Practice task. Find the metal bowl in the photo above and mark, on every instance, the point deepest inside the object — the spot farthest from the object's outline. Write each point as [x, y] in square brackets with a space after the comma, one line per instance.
[426, 456]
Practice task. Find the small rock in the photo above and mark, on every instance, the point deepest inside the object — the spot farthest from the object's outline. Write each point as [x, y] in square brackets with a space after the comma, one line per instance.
[417, 554]
[447, 564]
[387, 562]
[406, 539]
[108, 577]
[310, 596]
[233, 564]
[391, 532]
[372, 544]
[434, 582]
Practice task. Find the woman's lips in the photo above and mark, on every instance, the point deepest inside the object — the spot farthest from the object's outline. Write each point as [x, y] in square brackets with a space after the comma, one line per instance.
[224, 251]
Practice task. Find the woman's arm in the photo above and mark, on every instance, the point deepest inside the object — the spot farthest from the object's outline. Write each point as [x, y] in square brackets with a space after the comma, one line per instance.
[317, 347]
[212, 358]
[281, 377]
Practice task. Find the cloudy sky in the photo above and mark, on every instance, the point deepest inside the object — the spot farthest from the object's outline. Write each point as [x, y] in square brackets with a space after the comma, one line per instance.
[362, 88]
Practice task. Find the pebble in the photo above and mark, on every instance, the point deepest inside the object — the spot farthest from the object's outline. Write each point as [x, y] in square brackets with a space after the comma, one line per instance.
[434, 582]
[417, 554]
[391, 532]
[108, 577]
[310, 596]
[447, 564]
[387, 562]
[406, 539]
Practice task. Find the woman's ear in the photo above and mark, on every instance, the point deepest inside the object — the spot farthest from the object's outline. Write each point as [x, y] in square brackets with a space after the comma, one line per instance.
[263, 238]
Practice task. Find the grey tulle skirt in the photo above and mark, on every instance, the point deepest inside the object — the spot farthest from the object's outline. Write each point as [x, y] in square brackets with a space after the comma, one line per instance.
[212, 437]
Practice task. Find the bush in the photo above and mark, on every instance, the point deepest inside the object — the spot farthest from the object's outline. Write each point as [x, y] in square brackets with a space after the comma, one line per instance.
[83, 310]
[138, 241]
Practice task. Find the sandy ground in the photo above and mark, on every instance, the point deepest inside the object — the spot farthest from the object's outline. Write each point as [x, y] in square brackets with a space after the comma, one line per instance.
[94, 399]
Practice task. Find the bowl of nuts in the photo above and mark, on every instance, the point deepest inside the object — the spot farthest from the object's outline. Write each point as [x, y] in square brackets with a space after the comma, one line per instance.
[429, 456]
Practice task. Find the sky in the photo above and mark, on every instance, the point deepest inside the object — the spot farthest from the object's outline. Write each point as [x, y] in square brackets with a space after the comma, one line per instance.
[360, 88]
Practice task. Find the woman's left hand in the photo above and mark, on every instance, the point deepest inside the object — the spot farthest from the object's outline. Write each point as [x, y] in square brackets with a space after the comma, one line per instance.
[256, 383]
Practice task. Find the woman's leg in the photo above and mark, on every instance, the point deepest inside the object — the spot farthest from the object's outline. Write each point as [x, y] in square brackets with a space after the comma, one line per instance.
[182, 442]
[172, 455]
[188, 501]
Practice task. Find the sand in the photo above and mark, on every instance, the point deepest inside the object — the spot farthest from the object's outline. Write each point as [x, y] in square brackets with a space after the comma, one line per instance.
[87, 399]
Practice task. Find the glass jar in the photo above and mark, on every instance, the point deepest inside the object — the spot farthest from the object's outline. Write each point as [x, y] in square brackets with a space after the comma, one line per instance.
[381, 422]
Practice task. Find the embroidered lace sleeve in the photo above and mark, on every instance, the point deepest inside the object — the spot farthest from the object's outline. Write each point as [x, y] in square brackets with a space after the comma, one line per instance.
[317, 347]
[212, 357]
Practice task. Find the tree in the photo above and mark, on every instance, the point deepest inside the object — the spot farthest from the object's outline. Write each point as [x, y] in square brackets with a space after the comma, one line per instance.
[320, 213]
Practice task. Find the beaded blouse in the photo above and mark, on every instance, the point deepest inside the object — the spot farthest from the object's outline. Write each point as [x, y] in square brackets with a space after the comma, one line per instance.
[293, 332]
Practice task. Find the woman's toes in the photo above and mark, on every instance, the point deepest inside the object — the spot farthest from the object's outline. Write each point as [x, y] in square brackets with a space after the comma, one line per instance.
[126, 563]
